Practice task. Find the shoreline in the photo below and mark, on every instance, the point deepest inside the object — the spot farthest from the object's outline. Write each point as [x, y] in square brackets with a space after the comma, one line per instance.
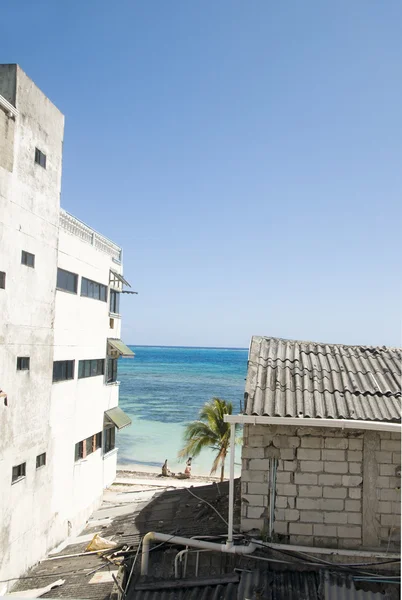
[131, 473]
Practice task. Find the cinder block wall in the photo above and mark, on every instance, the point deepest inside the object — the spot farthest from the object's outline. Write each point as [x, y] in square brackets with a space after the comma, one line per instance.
[326, 480]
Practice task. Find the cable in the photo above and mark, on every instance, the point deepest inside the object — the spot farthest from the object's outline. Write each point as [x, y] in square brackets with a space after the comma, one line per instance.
[206, 502]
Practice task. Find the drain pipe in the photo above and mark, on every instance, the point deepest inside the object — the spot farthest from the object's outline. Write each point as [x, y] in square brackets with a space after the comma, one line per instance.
[153, 536]
[231, 483]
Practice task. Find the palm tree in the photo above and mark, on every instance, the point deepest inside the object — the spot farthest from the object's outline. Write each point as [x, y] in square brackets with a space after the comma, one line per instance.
[209, 431]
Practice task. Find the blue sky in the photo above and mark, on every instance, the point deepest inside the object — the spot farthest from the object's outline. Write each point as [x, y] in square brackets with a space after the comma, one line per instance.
[246, 155]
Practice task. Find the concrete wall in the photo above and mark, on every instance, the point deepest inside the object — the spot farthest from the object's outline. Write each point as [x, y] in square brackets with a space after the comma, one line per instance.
[29, 215]
[338, 489]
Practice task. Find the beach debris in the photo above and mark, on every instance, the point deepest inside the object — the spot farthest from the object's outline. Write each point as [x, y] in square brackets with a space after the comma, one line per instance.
[99, 543]
[37, 592]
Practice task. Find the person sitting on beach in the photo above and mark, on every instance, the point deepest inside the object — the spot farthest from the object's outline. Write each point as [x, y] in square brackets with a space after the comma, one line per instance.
[165, 470]
[187, 470]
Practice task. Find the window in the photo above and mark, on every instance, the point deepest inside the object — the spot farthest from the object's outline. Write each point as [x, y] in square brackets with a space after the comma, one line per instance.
[86, 447]
[109, 436]
[111, 370]
[2, 280]
[28, 259]
[67, 281]
[63, 369]
[111, 323]
[23, 363]
[92, 289]
[41, 460]
[40, 158]
[18, 472]
[114, 302]
[91, 368]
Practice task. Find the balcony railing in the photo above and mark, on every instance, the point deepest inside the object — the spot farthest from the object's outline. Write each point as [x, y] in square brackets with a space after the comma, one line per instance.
[76, 227]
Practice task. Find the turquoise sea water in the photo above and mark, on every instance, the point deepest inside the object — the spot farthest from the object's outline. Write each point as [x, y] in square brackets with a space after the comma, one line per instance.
[162, 389]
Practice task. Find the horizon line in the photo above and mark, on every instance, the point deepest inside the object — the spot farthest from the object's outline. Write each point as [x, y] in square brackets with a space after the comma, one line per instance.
[191, 347]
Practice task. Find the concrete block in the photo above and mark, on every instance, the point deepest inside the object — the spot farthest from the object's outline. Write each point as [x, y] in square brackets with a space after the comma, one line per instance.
[385, 435]
[336, 518]
[391, 445]
[308, 504]
[349, 532]
[352, 480]
[306, 478]
[396, 508]
[255, 512]
[355, 493]
[281, 502]
[354, 455]
[252, 452]
[311, 442]
[355, 468]
[283, 477]
[258, 464]
[350, 544]
[355, 444]
[383, 457]
[243, 487]
[289, 465]
[311, 516]
[308, 454]
[281, 527]
[325, 542]
[255, 441]
[334, 492]
[387, 470]
[395, 436]
[354, 518]
[300, 540]
[291, 502]
[333, 455]
[310, 491]
[300, 529]
[337, 443]
[271, 452]
[385, 507]
[254, 476]
[291, 514]
[353, 505]
[391, 495]
[332, 480]
[332, 504]
[257, 488]
[335, 467]
[284, 441]
[287, 453]
[311, 466]
[253, 499]
[383, 481]
[390, 521]
[396, 458]
[268, 439]
[286, 489]
[280, 514]
[325, 530]
[248, 524]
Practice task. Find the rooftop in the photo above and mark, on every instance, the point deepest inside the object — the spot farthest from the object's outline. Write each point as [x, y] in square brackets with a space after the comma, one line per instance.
[289, 378]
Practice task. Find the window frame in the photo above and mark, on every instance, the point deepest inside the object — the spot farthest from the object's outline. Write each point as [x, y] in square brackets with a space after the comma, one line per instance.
[114, 302]
[26, 259]
[87, 367]
[41, 460]
[40, 158]
[20, 363]
[109, 439]
[93, 289]
[59, 285]
[20, 473]
[69, 370]
[111, 373]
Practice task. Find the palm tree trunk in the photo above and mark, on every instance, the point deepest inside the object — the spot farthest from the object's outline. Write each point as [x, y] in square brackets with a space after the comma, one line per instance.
[222, 469]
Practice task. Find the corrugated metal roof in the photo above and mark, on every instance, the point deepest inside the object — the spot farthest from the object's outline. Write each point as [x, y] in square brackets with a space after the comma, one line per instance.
[305, 379]
[121, 348]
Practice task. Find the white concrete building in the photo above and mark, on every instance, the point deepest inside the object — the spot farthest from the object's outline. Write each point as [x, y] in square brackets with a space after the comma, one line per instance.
[59, 339]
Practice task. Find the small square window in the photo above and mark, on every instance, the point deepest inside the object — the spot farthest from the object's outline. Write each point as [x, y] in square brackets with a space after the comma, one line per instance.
[2, 280]
[41, 460]
[23, 363]
[28, 259]
[18, 472]
[40, 158]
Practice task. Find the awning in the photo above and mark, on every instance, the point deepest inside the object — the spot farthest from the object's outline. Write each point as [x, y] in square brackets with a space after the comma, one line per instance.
[121, 348]
[118, 417]
[120, 278]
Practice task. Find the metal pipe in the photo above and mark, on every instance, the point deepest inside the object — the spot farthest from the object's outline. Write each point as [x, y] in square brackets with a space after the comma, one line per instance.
[181, 541]
[231, 482]
[305, 421]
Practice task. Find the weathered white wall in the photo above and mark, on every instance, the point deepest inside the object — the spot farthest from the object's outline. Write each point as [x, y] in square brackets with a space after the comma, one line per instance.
[81, 329]
[29, 215]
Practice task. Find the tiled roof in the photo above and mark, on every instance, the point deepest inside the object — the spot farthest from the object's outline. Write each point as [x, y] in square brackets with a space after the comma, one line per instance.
[305, 379]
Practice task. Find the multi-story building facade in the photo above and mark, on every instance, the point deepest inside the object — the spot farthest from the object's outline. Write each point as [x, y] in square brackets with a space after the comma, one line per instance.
[60, 284]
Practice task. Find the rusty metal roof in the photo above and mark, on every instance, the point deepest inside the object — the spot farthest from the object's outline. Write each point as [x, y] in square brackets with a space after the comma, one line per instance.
[305, 379]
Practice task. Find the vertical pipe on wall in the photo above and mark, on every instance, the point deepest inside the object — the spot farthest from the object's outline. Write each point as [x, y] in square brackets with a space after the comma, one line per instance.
[231, 483]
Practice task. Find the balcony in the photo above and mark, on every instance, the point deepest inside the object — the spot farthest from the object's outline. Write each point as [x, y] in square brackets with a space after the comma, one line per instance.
[88, 235]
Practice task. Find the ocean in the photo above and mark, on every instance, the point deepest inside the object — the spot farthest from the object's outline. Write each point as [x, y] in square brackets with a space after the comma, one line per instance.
[162, 389]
